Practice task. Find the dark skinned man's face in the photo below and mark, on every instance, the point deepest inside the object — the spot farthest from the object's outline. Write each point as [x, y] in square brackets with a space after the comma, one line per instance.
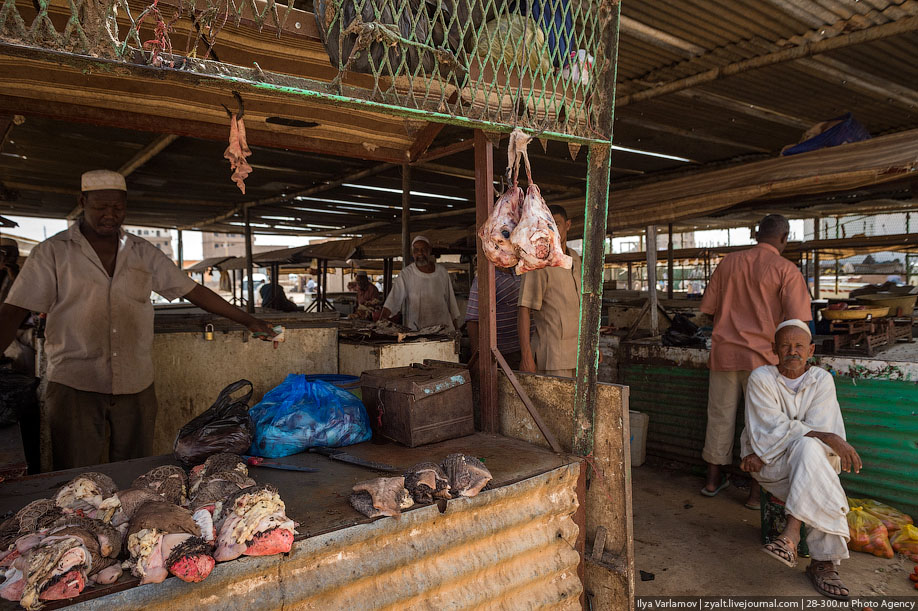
[362, 282]
[422, 253]
[564, 226]
[793, 347]
[104, 211]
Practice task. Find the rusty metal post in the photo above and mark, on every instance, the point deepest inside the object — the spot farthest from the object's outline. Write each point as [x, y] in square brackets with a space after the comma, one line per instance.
[250, 305]
[817, 231]
[670, 267]
[630, 275]
[487, 304]
[652, 295]
[181, 251]
[406, 214]
[596, 217]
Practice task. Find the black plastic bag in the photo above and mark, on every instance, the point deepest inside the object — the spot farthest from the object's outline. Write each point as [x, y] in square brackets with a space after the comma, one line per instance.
[224, 427]
[683, 333]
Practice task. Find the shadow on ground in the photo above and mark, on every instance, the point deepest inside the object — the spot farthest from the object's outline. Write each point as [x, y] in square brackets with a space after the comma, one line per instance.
[699, 546]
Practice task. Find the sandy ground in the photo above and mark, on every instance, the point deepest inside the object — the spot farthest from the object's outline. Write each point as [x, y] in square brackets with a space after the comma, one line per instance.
[699, 546]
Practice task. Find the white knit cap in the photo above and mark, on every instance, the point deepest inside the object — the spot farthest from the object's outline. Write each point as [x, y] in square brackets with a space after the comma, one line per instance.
[420, 238]
[794, 322]
[99, 180]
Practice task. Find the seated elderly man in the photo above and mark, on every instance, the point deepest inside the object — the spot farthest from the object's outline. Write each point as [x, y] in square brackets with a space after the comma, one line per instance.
[794, 445]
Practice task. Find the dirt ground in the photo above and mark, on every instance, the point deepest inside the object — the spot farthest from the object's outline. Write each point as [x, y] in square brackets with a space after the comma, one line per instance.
[700, 546]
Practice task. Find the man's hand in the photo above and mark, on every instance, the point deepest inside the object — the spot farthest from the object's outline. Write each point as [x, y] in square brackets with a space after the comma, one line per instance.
[849, 456]
[527, 363]
[752, 464]
[261, 329]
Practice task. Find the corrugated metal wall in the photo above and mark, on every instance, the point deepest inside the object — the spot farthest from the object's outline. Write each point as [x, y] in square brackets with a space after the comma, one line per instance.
[881, 420]
[513, 547]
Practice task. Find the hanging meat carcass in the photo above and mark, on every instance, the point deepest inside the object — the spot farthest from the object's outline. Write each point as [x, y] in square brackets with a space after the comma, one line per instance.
[536, 238]
[495, 232]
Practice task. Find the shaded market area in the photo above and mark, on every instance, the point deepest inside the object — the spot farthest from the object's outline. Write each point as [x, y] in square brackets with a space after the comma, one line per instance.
[664, 133]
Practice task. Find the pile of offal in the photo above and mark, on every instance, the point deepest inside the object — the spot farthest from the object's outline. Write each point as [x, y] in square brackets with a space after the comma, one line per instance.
[167, 522]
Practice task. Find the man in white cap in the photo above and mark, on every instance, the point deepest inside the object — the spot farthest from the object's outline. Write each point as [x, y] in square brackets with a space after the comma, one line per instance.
[794, 445]
[750, 292]
[422, 293]
[94, 281]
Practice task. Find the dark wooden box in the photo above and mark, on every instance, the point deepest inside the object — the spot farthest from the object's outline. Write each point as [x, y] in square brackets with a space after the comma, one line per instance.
[419, 404]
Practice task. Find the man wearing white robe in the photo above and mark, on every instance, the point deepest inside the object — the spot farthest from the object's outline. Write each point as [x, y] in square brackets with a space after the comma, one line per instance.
[794, 446]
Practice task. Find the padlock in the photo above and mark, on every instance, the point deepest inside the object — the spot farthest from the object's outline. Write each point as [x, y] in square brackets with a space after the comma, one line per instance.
[209, 332]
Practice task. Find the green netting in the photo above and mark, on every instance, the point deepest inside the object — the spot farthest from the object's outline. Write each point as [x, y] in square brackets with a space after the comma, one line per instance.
[524, 63]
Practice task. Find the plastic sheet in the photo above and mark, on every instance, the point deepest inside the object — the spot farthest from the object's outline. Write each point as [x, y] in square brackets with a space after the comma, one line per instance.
[300, 414]
[224, 427]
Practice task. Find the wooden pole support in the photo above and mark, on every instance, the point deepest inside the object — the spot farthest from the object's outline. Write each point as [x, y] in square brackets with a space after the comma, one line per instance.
[536, 416]
[487, 305]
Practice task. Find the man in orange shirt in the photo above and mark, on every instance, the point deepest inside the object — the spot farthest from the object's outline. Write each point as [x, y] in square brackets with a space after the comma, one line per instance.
[750, 293]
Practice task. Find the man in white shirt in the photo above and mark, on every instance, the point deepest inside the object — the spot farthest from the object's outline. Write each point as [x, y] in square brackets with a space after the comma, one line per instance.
[794, 446]
[422, 293]
[94, 281]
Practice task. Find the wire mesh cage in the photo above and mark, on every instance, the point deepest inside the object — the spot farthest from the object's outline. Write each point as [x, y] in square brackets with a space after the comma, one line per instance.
[534, 64]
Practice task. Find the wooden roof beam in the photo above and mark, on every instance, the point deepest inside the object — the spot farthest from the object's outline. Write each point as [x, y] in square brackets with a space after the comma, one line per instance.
[747, 108]
[837, 72]
[801, 51]
[689, 133]
[659, 38]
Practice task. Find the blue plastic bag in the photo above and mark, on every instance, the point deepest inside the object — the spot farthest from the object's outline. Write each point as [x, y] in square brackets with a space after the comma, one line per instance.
[300, 414]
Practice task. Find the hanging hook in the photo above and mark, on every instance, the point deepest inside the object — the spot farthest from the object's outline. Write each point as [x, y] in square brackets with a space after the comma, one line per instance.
[239, 103]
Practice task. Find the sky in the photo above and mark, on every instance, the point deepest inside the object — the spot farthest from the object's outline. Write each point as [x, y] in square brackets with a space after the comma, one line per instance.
[41, 229]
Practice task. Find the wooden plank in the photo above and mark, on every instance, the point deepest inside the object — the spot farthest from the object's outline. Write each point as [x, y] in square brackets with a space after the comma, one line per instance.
[536, 417]
[194, 128]
[406, 213]
[487, 305]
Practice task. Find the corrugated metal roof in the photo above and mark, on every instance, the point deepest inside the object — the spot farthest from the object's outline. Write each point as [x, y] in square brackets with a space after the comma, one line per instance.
[508, 548]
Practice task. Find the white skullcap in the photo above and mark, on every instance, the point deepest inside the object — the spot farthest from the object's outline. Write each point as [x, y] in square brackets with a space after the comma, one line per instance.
[794, 322]
[99, 180]
[420, 238]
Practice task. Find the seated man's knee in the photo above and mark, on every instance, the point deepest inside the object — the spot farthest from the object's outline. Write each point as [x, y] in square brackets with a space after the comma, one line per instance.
[808, 448]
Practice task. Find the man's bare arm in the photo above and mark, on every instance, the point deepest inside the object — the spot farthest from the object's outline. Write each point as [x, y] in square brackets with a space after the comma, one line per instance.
[11, 318]
[849, 456]
[527, 361]
[206, 299]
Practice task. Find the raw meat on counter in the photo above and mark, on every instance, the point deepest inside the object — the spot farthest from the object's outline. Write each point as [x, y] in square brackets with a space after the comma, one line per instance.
[164, 538]
[426, 481]
[383, 496]
[169, 481]
[252, 522]
[86, 493]
[55, 569]
[467, 475]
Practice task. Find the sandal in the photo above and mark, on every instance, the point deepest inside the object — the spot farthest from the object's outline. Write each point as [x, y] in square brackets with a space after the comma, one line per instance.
[723, 484]
[826, 574]
[782, 544]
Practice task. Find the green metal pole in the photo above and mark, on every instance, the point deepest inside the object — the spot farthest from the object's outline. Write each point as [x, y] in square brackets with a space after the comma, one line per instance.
[599, 164]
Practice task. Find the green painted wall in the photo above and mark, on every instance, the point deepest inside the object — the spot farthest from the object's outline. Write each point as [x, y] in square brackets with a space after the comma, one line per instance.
[881, 421]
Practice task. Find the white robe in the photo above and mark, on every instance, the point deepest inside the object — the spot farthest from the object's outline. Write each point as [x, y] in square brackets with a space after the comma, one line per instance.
[802, 471]
[425, 300]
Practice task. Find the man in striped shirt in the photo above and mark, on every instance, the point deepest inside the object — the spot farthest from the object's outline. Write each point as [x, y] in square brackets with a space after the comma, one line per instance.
[506, 290]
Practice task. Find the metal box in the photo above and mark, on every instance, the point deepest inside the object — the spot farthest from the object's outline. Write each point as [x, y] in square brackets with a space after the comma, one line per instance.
[419, 404]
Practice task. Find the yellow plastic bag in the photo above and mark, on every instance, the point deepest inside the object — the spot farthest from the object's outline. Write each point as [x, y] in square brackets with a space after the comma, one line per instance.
[905, 541]
[892, 518]
[523, 46]
[868, 534]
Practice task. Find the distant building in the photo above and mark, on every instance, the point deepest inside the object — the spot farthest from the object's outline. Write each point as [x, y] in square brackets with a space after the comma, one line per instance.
[215, 244]
[160, 238]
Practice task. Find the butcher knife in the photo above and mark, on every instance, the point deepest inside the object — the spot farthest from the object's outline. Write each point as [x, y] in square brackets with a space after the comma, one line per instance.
[258, 461]
[343, 456]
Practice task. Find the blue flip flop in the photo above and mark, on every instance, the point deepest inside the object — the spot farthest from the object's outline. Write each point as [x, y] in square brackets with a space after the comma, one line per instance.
[723, 484]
